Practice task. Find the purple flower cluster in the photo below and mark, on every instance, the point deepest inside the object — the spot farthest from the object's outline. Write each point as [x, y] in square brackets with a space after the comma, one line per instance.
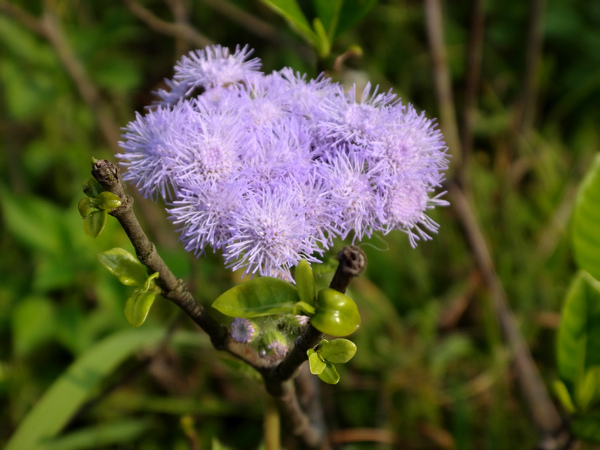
[270, 168]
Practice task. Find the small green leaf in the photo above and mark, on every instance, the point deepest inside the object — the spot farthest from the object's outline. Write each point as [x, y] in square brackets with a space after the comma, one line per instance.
[322, 44]
[124, 266]
[138, 305]
[107, 200]
[316, 363]
[562, 393]
[586, 222]
[338, 351]
[92, 188]
[336, 313]
[93, 223]
[303, 307]
[305, 282]
[588, 388]
[330, 375]
[85, 206]
[259, 297]
[587, 427]
[296, 19]
[578, 340]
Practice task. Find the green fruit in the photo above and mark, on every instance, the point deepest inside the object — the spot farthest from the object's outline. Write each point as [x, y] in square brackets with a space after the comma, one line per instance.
[336, 314]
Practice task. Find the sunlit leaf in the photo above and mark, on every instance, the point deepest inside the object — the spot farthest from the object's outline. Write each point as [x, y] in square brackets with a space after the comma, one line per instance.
[124, 266]
[138, 306]
[338, 351]
[578, 342]
[85, 206]
[305, 282]
[336, 314]
[94, 223]
[586, 222]
[330, 374]
[107, 200]
[588, 388]
[316, 363]
[563, 395]
[259, 297]
[296, 19]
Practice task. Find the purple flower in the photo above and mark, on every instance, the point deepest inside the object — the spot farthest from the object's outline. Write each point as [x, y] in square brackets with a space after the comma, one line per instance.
[270, 169]
[243, 330]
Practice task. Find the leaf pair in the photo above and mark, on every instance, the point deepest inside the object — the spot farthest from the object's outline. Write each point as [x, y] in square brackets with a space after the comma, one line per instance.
[331, 311]
[323, 358]
[95, 207]
[131, 272]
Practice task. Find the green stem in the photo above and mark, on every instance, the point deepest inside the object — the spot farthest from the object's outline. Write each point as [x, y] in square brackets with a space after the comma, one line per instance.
[272, 424]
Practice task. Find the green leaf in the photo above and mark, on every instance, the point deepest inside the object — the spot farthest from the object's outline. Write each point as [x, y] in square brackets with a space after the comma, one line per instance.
[296, 19]
[92, 188]
[586, 222]
[587, 427]
[138, 306]
[85, 206]
[338, 351]
[330, 375]
[563, 395]
[259, 297]
[328, 12]
[107, 200]
[336, 313]
[588, 389]
[578, 341]
[305, 282]
[124, 266]
[66, 396]
[316, 363]
[303, 308]
[94, 223]
[322, 43]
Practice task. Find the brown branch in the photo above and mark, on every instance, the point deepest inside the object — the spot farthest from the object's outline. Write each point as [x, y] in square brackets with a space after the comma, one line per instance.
[179, 30]
[542, 410]
[277, 379]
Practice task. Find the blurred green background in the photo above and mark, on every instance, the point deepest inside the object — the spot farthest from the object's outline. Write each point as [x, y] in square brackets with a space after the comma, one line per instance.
[432, 370]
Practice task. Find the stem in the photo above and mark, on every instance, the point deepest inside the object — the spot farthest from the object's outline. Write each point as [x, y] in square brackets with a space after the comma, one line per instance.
[272, 425]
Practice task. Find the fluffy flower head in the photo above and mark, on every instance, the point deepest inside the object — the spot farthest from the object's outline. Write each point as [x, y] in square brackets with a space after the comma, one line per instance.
[270, 168]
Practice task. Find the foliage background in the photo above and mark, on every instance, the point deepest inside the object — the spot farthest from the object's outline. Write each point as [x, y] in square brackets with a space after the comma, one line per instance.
[432, 370]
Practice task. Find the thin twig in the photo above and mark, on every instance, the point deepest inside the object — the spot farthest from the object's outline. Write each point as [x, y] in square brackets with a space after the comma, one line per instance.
[532, 65]
[542, 410]
[179, 30]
